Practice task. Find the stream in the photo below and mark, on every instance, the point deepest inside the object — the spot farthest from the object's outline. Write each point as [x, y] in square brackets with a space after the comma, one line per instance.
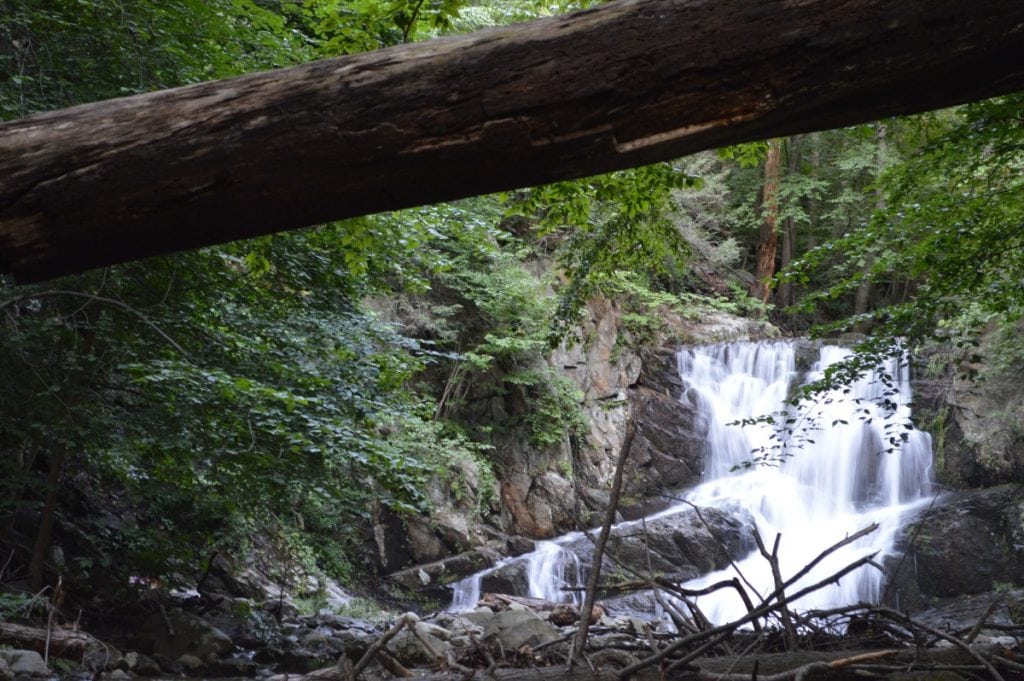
[831, 476]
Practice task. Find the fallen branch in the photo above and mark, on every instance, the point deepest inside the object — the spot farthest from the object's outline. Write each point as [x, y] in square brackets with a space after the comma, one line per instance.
[609, 519]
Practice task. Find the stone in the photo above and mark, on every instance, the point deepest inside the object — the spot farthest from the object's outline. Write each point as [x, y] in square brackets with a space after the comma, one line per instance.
[233, 667]
[118, 675]
[518, 628]
[192, 635]
[967, 543]
[26, 663]
[5, 670]
[481, 617]
[189, 663]
[410, 650]
[103, 657]
[142, 665]
[564, 614]
[425, 545]
[508, 579]
[683, 545]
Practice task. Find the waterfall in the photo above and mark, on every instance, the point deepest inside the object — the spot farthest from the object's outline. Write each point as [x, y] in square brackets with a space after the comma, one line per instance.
[834, 475]
[831, 477]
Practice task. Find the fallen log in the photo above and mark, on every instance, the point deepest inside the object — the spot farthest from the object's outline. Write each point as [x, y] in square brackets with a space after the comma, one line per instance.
[620, 85]
[71, 644]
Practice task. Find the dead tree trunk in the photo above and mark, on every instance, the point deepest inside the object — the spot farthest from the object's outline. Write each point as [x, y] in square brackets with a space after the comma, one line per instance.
[769, 232]
[620, 85]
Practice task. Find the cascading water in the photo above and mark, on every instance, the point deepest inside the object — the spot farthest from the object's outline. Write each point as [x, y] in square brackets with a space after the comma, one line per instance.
[832, 477]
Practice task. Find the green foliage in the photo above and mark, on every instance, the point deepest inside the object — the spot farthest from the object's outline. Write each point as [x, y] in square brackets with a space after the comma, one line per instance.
[607, 223]
[555, 411]
[952, 225]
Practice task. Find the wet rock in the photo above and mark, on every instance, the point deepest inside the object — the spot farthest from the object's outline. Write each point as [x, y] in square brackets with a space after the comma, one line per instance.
[969, 543]
[246, 623]
[682, 545]
[508, 579]
[428, 578]
[25, 663]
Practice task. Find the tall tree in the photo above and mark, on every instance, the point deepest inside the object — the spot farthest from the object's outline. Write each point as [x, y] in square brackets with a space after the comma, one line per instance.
[767, 245]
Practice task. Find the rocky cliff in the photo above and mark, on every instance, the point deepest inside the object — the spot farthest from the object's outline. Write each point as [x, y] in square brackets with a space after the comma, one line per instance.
[542, 492]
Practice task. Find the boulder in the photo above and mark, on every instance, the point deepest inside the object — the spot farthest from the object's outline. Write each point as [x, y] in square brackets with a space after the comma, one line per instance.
[507, 579]
[5, 670]
[517, 628]
[25, 663]
[969, 542]
[410, 649]
[182, 633]
[141, 665]
[682, 545]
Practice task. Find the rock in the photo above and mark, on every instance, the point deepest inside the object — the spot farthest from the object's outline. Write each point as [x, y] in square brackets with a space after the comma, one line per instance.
[973, 407]
[25, 663]
[683, 545]
[425, 545]
[230, 668]
[5, 670]
[245, 622]
[481, 617]
[444, 571]
[117, 675]
[103, 657]
[564, 614]
[969, 543]
[411, 651]
[508, 579]
[518, 628]
[142, 665]
[189, 663]
[191, 635]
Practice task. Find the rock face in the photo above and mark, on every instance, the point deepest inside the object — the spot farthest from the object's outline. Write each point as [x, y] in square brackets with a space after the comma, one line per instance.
[970, 542]
[973, 407]
[544, 492]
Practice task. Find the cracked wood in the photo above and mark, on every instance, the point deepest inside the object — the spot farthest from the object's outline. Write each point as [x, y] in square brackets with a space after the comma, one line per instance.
[624, 84]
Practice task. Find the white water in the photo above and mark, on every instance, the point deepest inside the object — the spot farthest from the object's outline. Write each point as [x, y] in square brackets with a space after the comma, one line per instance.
[834, 479]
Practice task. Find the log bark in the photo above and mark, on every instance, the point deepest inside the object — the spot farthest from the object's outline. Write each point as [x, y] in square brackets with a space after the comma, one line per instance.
[66, 643]
[624, 84]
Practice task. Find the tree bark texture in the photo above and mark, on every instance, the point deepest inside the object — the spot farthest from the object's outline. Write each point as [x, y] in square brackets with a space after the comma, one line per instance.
[66, 643]
[786, 296]
[769, 236]
[624, 84]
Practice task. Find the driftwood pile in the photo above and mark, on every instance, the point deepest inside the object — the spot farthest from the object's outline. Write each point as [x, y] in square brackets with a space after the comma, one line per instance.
[772, 642]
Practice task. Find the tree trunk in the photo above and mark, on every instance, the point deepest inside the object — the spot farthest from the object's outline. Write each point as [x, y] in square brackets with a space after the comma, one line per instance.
[862, 299]
[620, 85]
[785, 296]
[769, 238]
[45, 531]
